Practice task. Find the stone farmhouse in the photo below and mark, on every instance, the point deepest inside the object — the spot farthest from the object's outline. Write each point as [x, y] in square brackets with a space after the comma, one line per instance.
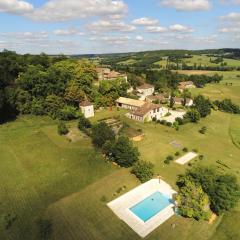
[141, 110]
[87, 109]
[179, 101]
[107, 74]
[145, 90]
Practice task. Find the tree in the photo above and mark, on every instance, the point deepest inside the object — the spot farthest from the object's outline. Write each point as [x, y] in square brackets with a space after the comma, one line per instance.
[124, 153]
[62, 128]
[192, 201]
[101, 133]
[53, 105]
[193, 115]
[223, 189]
[203, 105]
[73, 94]
[83, 123]
[172, 101]
[143, 170]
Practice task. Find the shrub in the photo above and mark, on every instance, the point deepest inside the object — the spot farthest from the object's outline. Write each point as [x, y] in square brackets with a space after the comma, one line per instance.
[83, 123]
[177, 154]
[185, 149]
[169, 158]
[143, 170]
[201, 157]
[166, 161]
[154, 119]
[179, 120]
[203, 130]
[193, 116]
[195, 150]
[62, 128]
[169, 124]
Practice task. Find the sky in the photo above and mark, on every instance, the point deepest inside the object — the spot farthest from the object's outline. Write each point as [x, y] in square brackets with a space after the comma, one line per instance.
[110, 26]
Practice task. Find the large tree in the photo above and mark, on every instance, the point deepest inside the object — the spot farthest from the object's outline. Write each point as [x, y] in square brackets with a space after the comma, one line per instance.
[192, 201]
[203, 105]
[101, 133]
[124, 153]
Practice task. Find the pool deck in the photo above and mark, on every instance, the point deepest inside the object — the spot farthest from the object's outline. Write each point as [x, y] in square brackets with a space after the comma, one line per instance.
[121, 206]
[186, 158]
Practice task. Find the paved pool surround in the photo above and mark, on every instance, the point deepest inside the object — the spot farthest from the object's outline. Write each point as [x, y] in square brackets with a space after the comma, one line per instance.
[122, 205]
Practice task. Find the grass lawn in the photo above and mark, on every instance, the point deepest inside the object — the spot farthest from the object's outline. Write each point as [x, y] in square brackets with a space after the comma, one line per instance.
[37, 169]
[46, 176]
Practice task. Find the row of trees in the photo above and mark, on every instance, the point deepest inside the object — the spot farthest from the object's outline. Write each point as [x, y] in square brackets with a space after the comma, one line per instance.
[118, 149]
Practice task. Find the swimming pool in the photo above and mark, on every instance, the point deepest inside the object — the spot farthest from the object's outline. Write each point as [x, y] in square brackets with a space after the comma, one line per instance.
[150, 206]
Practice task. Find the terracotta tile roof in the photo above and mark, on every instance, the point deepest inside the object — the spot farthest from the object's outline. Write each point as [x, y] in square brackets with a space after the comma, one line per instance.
[145, 86]
[177, 99]
[85, 104]
[157, 97]
[147, 107]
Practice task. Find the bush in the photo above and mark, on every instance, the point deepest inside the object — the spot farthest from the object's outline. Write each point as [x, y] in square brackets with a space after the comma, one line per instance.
[177, 154]
[62, 128]
[169, 124]
[195, 150]
[203, 130]
[143, 170]
[185, 149]
[179, 120]
[169, 158]
[193, 116]
[227, 106]
[83, 123]
[68, 113]
[201, 157]
[166, 161]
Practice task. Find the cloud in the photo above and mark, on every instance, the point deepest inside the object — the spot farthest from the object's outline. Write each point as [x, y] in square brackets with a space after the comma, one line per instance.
[25, 36]
[230, 30]
[145, 21]
[180, 28]
[114, 40]
[187, 5]
[62, 10]
[155, 29]
[233, 16]
[139, 38]
[102, 26]
[15, 6]
[68, 32]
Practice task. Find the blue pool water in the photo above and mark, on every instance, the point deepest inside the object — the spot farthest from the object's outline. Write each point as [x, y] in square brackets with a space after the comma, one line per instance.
[150, 206]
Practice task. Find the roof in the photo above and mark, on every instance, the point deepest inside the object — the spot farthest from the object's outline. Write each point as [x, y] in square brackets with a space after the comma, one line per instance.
[176, 99]
[100, 70]
[85, 104]
[145, 86]
[157, 97]
[130, 101]
[147, 107]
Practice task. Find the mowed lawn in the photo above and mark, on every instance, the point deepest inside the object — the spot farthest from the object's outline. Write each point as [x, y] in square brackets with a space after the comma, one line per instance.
[37, 169]
[46, 176]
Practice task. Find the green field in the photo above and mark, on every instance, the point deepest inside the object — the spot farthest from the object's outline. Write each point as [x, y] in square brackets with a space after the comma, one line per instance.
[46, 176]
[201, 60]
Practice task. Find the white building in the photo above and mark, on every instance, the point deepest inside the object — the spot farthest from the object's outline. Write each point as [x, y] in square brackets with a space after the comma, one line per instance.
[145, 90]
[179, 101]
[147, 112]
[87, 109]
